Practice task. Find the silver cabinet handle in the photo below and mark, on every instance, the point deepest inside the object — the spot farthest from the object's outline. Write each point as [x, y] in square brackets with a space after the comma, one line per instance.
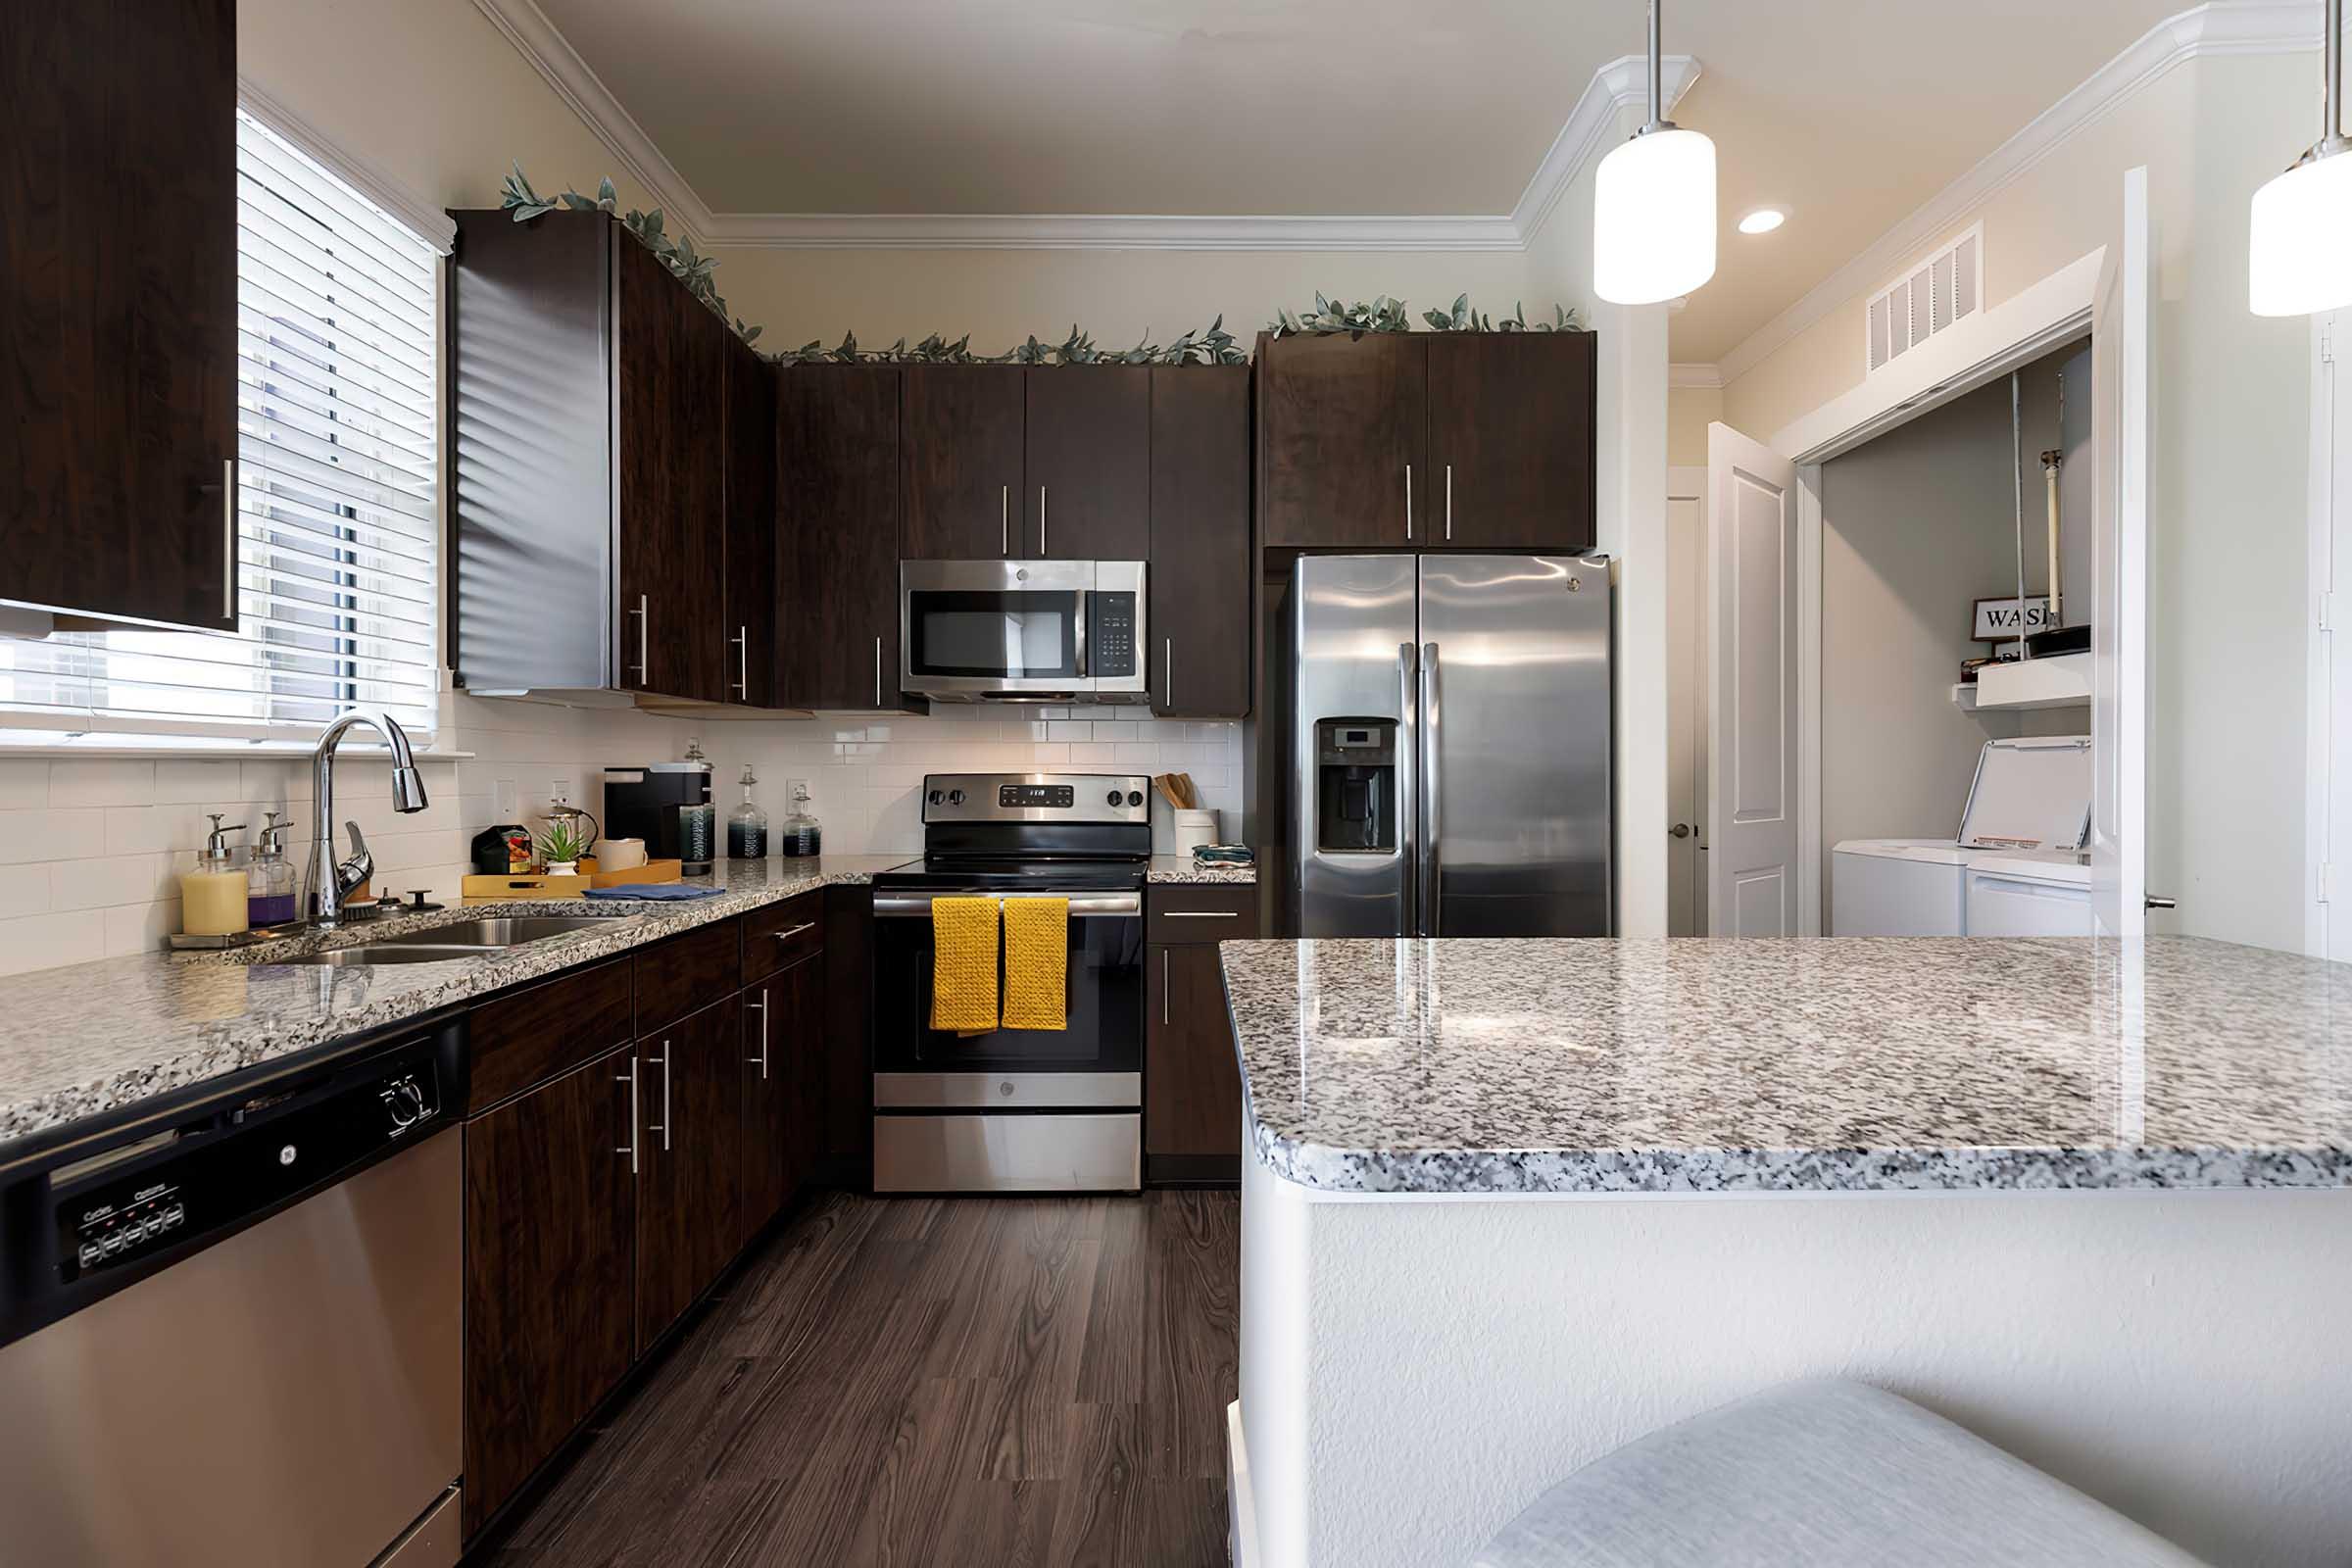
[760, 1059]
[1004, 520]
[1449, 501]
[789, 933]
[1409, 501]
[1163, 984]
[644, 618]
[630, 1078]
[743, 662]
[228, 540]
[1199, 915]
[877, 673]
[664, 1129]
[1041, 521]
[1167, 672]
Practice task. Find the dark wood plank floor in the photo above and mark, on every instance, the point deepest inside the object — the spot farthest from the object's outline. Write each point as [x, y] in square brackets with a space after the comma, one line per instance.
[998, 1382]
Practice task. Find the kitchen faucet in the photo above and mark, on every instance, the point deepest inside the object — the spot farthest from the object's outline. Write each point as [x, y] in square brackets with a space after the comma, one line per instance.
[331, 882]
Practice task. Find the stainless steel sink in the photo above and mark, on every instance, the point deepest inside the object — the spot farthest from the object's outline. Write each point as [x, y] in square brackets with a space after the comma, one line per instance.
[462, 939]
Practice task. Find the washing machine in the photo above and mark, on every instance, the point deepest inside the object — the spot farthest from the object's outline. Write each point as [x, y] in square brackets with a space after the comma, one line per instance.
[2036, 893]
[2030, 796]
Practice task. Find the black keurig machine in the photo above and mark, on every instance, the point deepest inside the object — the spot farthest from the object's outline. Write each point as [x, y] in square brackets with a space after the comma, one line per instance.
[642, 802]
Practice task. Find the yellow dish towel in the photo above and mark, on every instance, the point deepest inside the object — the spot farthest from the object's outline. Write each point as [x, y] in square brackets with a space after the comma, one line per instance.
[1037, 959]
[964, 964]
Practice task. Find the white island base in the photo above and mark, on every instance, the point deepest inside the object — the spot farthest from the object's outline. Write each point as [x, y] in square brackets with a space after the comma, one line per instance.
[1415, 1369]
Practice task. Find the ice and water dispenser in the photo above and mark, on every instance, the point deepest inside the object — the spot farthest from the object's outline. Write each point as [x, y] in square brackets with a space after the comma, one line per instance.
[1355, 785]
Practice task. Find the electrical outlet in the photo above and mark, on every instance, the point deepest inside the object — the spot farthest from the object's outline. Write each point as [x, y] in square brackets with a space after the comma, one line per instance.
[559, 791]
[507, 800]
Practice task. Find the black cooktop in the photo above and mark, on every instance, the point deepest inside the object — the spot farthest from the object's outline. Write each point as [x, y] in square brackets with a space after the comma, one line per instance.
[990, 874]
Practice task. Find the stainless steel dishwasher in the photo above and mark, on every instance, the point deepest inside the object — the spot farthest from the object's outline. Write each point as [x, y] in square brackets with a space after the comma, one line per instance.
[230, 1328]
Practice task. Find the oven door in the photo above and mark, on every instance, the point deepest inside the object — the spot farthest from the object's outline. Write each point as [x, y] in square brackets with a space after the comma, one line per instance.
[1096, 1061]
[970, 630]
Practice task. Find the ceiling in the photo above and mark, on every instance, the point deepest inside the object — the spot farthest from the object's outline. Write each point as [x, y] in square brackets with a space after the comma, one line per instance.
[1848, 113]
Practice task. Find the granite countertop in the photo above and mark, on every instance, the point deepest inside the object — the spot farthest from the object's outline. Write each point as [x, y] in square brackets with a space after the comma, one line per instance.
[94, 1038]
[1804, 1066]
[1179, 869]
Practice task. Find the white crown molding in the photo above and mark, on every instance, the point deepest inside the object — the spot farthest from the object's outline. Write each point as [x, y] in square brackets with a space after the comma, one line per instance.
[1624, 83]
[428, 220]
[1694, 375]
[2219, 28]
[536, 39]
[1614, 85]
[1061, 231]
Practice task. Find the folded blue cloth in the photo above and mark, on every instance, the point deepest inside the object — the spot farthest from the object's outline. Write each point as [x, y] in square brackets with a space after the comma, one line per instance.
[655, 891]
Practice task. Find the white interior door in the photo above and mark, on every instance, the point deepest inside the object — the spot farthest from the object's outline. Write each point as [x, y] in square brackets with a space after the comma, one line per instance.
[1686, 616]
[1751, 804]
[2119, 328]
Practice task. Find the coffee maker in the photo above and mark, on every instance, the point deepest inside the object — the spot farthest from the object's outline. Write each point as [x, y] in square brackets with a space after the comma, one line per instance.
[642, 802]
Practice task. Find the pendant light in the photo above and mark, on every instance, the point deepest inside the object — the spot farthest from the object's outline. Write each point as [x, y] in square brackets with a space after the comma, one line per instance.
[2301, 249]
[1653, 206]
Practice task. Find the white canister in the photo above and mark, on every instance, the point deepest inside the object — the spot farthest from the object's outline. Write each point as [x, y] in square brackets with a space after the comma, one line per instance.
[1193, 829]
[621, 855]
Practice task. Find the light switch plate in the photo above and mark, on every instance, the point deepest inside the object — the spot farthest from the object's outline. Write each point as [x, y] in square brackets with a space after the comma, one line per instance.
[505, 799]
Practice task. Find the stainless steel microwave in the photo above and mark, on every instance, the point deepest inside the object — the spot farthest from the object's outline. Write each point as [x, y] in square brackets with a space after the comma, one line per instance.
[1022, 631]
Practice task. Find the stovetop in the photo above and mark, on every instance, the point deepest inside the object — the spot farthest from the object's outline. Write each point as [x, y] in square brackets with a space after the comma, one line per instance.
[993, 874]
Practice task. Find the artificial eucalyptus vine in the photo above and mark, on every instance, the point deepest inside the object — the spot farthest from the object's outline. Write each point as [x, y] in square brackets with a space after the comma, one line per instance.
[1213, 346]
[679, 255]
[1386, 314]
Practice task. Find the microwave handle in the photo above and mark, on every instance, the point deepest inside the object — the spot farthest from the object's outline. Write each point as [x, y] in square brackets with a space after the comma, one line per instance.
[1083, 597]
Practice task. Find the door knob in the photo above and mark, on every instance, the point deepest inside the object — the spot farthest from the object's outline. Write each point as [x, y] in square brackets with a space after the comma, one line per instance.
[1681, 830]
[2157, 901]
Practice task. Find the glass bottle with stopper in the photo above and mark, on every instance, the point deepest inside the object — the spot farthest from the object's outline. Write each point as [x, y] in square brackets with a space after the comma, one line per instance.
[270, 887]
[800, 834]
[747, 824]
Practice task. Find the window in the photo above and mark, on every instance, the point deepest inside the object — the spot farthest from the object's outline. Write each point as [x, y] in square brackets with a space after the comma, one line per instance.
[338, 463]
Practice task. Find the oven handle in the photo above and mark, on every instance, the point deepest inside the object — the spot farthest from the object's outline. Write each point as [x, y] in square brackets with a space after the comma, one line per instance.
[1083, 906]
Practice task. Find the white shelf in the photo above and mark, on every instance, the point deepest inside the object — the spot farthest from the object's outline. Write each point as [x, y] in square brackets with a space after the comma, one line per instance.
[2063, 681]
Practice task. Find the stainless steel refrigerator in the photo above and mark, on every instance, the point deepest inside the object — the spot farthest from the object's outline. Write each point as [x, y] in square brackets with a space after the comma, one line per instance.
[1452, 733]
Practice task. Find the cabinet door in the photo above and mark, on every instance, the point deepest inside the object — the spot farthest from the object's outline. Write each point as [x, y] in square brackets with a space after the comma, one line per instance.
[750, 675]
[1200, 583]
[1344, 423]
[550, 1236]
[960, 458]
[670, 366]
[841, 1058]
[1088, 491]
[690, 1096]
[837, 520]
[1511, 440]
[779, 1024]
[118, 309]
[1191, 1083]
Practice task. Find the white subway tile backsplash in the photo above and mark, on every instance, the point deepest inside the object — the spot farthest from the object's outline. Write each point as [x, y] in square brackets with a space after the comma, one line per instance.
[24, 890]
[178, 782]
[24, 783]
[52, 835]
[110, 880]
[139, 927]
[103, 781]
[46, 940]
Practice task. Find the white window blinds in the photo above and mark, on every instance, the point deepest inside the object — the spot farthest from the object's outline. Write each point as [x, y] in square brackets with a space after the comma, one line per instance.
[338, 446]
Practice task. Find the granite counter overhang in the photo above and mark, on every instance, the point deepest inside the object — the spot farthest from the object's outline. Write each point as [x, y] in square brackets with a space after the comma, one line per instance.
[1578, 1067]
[97, 1040]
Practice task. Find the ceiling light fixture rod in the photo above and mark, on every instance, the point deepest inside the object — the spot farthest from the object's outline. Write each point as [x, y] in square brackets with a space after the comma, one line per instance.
[2331, 92]
[1657, 120]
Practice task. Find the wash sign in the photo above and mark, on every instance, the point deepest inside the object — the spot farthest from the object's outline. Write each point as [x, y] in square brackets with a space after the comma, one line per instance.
[2003, 620]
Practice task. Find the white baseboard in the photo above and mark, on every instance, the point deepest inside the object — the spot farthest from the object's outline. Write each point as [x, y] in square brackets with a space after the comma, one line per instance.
[1240, 1542]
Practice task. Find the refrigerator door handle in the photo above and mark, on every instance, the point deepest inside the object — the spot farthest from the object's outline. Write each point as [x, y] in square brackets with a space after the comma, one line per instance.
[1408, 793]
[1432, 869]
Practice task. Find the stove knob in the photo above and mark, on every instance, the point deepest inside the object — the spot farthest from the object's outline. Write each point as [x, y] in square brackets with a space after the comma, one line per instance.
[1113, 797]
[936, 796]
[955, 797]
[1135, 797]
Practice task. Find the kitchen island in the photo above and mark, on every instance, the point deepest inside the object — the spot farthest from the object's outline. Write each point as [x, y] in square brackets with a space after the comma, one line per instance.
[1509, 1205]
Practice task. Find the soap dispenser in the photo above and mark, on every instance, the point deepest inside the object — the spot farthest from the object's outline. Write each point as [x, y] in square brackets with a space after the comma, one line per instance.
[801, 834]
[270, 885]
[213, 897]
[747, 824]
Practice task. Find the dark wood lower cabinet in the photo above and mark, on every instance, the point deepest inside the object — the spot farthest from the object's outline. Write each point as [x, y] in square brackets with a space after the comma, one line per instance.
[550, 1239]
[783, 1033]
[843, 1069]
[690, 1123]
[1191, 1083]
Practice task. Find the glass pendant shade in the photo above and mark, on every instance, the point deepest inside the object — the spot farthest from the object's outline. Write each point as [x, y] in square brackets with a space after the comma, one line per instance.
[1653, 218]
[2301, 244]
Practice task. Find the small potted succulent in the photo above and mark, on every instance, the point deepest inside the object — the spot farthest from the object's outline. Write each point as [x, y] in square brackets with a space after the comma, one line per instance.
[560, 848]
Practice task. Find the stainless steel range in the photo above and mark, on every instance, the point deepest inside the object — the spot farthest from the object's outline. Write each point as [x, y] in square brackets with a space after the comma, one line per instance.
[1017, 1109]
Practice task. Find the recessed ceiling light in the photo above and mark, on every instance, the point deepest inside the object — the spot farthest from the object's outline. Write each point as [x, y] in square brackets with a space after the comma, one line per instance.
[1763, 220]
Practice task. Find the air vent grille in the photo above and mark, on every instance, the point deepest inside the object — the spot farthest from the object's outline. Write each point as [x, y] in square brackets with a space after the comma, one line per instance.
[1929, 297]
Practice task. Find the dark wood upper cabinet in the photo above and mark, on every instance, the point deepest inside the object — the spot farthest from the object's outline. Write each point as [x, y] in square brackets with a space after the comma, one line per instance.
[1088, 490]
[749, 627]
[118, 309]
[550, 1244]
[1343, 440]
[1199, 621]
[960, 460]
[690, 1120]
[670, 366]
[1511, 440]
[837, 533]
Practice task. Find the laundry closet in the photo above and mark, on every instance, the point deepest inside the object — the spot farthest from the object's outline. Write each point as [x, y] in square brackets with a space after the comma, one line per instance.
[1955, 685]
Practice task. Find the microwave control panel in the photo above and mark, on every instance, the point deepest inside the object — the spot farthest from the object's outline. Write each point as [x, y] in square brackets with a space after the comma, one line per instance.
[1113, 635]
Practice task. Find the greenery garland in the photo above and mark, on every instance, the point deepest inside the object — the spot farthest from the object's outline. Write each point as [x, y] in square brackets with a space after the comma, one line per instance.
[1211, 346]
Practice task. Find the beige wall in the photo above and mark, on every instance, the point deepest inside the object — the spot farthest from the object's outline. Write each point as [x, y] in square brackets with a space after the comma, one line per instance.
[1690, 409]
[2228, 519]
